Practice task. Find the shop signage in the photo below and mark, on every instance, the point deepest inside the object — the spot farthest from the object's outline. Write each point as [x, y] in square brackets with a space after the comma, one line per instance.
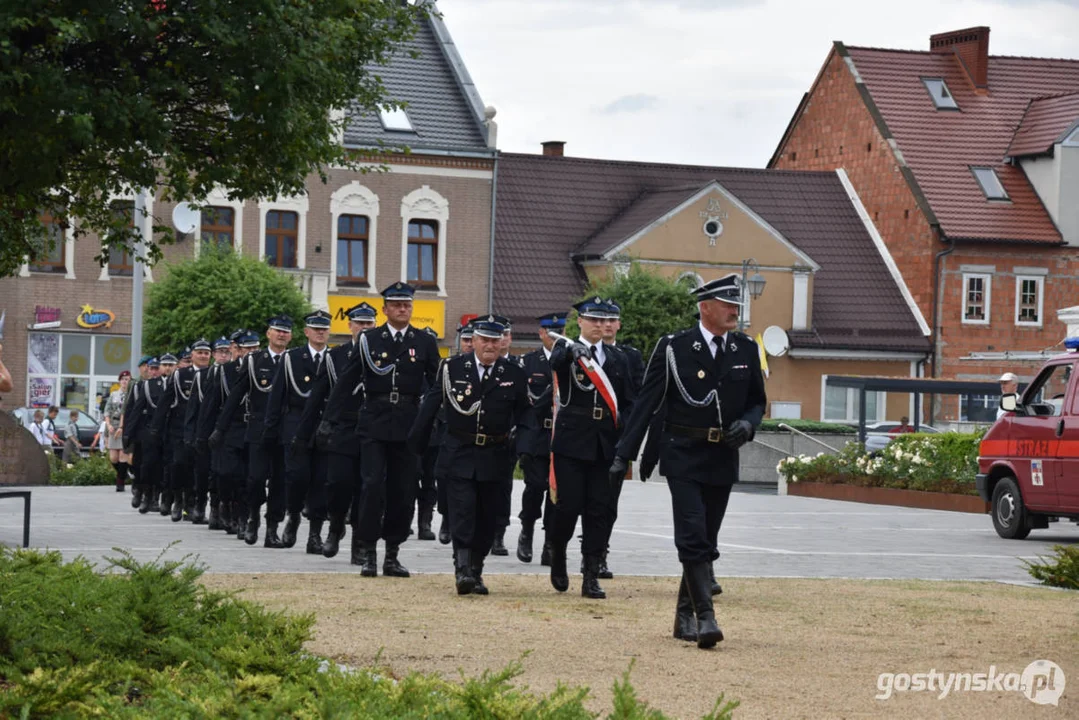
[92, 319]
[43, 314]
[425, 313]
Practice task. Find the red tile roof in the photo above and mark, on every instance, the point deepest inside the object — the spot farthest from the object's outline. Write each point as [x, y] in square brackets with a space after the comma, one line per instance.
[550, 208]
[1046, 122]
[940, 146]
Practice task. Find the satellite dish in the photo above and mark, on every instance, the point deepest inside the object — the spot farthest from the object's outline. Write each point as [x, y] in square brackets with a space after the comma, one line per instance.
[775, 340]
[185, 218]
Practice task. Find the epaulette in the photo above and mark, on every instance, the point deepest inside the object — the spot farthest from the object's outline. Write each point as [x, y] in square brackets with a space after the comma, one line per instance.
[741, 336]
[681, 333]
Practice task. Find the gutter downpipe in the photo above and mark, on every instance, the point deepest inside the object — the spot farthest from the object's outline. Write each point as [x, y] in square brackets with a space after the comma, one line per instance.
[491, 264]
[937, 269]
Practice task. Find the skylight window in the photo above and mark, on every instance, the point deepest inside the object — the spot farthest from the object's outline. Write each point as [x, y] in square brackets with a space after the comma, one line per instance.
[395, 119]
[942, 96]
[990, 183]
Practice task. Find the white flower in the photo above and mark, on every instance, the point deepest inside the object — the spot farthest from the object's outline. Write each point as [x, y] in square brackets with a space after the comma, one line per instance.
[794, 478]
[69, 466]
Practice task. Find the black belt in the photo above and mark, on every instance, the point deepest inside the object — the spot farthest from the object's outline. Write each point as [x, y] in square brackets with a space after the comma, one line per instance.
[596, 413]
[393, 397]
[480, 439]
[711, 434]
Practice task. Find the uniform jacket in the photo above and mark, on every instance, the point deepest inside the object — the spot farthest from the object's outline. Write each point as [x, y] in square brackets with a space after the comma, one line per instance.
[415, 361]
[142, 412]
[252, 394]
[577, 433]
[336, 361]
[737, 380]
[169, 415]
[635, 360]
[534, 434]
[500, 403]
[289, 392]
[199, 384]
[223, 383]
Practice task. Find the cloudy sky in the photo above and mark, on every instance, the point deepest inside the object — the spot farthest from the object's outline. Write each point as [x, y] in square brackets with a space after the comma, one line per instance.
[710, 82]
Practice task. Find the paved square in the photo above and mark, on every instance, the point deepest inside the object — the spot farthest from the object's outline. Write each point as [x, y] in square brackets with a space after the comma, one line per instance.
[764, 535]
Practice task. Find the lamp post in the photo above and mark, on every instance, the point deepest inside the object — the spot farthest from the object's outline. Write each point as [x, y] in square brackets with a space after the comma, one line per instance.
[755, 284]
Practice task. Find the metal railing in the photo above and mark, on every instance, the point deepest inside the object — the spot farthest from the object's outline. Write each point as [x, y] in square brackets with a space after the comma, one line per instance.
[785, 426]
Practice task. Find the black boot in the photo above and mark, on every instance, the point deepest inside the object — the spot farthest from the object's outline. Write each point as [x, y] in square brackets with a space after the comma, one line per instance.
[359, 553]
[590, 584]
[239, 514]
[333, 536]
[604, 572]
[559, 574]
[214, 521]
[545, 554]
[136, 496]
[288, 538]
[524, 542]
[121, 475]
[314, 537]
[189, 506]
[391, 567]
[144, 500]
[477, 573]
[155, 506]
[444, 531]
[198, 513]
[685, 623]
[177, 507]
[370, 560]
[424, 523]
[251, 532]
[698, 579]
[466, 583]
[224, 514]
[499, 546]
[272, 541]
[716, 589]
[166, 502]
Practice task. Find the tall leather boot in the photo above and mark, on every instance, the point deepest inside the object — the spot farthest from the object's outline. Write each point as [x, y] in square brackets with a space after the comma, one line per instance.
[477, 573]
[698, 579]
[499, 546]
[198, 514]
[144, 499]
[359, 552]
[463, 571]
[251, 532]
[604, 572]
[239, 516]
[559, 574]
[685, 623]
[166, 502]
[121, 475]
[177, 507]
[155, 494]
[334, 535]
[524, 541]
[545, 553]
[213, 522]
[225, 515]
[391, 566]
[292, 524]
[370, 560]
[136, 496]
[424, 524]
[314, 537]
[716, 589]
[189, 505]
[444, 531]
[590, 583]
[272, 541]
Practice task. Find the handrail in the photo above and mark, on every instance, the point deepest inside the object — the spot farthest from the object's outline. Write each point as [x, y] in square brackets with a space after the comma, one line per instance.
[771, 447]
[785, 426]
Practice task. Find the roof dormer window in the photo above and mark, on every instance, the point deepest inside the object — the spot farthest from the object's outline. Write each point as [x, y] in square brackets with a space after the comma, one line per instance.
[942, 96]
[989, 183]
[395, 119]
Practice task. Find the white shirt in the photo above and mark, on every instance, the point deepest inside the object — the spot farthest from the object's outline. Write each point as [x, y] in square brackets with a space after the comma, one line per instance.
[601, 356]
[708, 339]
[313, 351]
[547, 354]
[396, 334]
[479, 368]
[40, 433]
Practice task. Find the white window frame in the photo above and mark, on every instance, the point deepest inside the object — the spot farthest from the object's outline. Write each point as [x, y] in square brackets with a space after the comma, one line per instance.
[939, 102]
[147, 232]
[218, 197]
[994, 177]
[1041, 298]
[299, 205]
[747, 304]
[800, 303]
[987, 302]
[426, 204]
[355, 199]
[852, 394]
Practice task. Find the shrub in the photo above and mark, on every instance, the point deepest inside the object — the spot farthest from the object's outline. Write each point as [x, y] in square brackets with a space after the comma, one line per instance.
[813, 427]
[148, 641]
[95, 470]
[1061, 570]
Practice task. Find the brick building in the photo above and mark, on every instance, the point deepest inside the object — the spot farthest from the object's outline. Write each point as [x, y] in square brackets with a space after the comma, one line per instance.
[427, 220]
[969, 166]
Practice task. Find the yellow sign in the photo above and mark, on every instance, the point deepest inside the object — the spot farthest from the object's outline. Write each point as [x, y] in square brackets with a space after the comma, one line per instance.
[425, 313]
[91, 319]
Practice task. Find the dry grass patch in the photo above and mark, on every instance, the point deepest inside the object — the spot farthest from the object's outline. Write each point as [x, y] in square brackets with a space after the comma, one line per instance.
[794, 648]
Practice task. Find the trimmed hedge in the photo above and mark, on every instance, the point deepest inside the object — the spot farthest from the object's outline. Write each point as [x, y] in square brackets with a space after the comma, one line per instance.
[94, 470]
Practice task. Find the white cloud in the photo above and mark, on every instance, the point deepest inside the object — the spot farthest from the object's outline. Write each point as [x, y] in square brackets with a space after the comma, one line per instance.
[630, 104]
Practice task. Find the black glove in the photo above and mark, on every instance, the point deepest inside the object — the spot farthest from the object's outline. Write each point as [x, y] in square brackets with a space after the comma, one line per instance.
[737, 434]
[578, 351]
[215, 440]
[617, 473]
[323, 434]
[646, 470]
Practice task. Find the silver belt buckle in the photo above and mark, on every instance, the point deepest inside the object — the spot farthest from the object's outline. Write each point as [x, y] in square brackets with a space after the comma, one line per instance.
[715, 435]
[547, 423]
[597, 413]
[481, 439]
[394, 397]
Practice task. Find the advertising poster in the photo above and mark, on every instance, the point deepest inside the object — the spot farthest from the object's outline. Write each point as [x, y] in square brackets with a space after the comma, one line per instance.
[42, 392]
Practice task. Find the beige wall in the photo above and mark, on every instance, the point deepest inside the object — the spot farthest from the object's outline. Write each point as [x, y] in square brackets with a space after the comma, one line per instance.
[794, 380]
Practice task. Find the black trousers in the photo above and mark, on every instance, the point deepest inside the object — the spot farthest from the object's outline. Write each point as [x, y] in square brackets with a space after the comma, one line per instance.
[535, 500]
[181, 473]
[201, 469]
[473, 510]
[266, 480]
[136, 461]
[232, 473]
[583, 491]
[152, 467]
[343, 483]
[426, 485]
[305, 478]
[698, 515]
[443, 500]
[388, 471]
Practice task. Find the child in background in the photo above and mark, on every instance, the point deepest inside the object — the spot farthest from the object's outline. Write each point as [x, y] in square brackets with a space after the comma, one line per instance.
[71, 438]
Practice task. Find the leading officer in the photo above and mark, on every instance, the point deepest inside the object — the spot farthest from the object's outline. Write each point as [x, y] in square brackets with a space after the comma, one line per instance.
[706, 383]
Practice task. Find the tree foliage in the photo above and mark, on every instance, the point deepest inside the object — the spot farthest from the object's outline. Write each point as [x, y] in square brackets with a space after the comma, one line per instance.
[216, 294]
[98, 97]
[652, 306]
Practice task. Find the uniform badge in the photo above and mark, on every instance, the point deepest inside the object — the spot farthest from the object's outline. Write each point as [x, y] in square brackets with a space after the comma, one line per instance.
[733, 347]
[460, 398]
[468, 391]
[697, 345]
[263, 381]
[378, 363]
[700, 374]
[307, 378]
[385, 354]
[468, 363]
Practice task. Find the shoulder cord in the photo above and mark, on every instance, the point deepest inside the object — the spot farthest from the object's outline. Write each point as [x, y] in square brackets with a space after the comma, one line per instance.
[225, 391]
[291, 379]
[331, 371]
[447, 393]
[180, 390]
[198, 383]
[251, 384]
[710, 398]
[149, 396]
[366, 351]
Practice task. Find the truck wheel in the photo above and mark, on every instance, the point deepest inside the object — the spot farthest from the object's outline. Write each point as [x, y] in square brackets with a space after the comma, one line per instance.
[1010, 516]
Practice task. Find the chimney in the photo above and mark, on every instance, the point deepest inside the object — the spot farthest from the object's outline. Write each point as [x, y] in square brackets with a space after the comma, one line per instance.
[971, 46]
[554, 148]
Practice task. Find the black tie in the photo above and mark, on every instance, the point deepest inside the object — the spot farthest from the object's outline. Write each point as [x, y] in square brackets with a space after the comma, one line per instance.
[718, 362]
[486, 372]
[397, 339]
[318, 361]
[592, 351]
[275, 359]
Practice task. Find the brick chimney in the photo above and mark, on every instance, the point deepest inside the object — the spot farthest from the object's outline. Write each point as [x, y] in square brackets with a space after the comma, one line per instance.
[971, 46]
[554, 148]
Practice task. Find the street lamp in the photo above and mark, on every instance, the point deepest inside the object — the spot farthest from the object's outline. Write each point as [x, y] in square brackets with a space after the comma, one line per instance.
[754, 284]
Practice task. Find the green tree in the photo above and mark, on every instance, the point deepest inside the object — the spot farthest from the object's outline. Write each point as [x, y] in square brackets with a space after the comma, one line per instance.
[216, 294]
[101, 96]
[652, 306]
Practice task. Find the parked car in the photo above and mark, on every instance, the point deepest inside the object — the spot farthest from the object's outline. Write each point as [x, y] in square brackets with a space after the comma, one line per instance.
[879, 434]
[1028, 462]
[87, 426]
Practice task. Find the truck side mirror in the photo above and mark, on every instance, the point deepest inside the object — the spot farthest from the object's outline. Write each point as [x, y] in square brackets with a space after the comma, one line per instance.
[1009, 402]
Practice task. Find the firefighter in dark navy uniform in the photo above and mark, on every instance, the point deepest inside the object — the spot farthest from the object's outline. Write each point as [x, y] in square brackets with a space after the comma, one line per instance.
[196, 448]
[396, 363]
[167, 362]
[585, 433]
[147, 394]
[430, 457]
[484, 396]
[534, 440]
[499, 546]
[225, 351]
[706, 383]
[426, 482]
[339, 444]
